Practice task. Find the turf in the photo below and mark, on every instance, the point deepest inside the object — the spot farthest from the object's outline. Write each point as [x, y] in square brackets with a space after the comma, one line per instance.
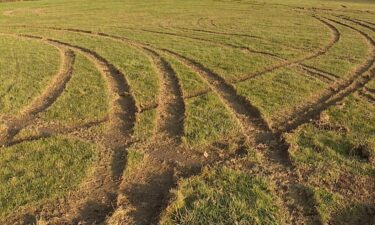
[26, 68]
[222, 196]
[36, 171]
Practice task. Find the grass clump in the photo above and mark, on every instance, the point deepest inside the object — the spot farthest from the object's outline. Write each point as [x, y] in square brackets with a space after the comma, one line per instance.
[39, 170]
[222, 196]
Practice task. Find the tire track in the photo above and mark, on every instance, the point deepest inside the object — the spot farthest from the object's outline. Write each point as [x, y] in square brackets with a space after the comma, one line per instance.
[338, 91]
[101, 194]
[357, 22]
[53, 130]
[48, 96]
[367, 95]
[123, 107]
[335, 38]
[122, 119]
[55, 88]
[276, 164]
[298, 62]
[315, 74]
[164, 147]
[226, 45]
[253, 125]
[171, 106]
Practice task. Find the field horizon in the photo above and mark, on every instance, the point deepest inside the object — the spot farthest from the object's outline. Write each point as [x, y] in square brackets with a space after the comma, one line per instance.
[224, 112]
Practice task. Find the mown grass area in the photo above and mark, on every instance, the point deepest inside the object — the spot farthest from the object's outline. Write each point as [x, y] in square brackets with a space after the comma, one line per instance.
[26, 67]
[223, 196]
[84, 98]
[39, 170]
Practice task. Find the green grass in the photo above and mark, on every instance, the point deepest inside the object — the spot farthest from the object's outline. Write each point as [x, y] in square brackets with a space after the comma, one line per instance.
[191, 83]
[40, 170]
[222, 196]
[277, 92]
[145, 125]
[349, 52]
[207, 120]
[132, 62]
[26, 67]
[330, 155]
[84, 99]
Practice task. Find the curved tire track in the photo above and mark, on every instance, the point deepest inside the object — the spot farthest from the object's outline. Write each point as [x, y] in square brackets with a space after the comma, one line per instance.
[335, 38]
[338, 91]
[171, 106]
[48, 96]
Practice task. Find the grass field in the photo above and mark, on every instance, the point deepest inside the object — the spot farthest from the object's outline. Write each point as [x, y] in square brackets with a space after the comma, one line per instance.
[187, 112]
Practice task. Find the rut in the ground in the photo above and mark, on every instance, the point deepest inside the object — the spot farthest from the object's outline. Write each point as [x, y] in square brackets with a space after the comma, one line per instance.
[276, 164]
[338, 91]
[43, 101]
[334, 39]
[285, 63]
[171, 106]
[123, 107]
[94, 203]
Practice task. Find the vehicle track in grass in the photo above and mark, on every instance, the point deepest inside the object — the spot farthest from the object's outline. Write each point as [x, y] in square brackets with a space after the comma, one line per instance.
[367, 95]
[222, 44]
[336, 92]
[276, 162]
[171, 106]
[320, 74]
[334, 39]
[358, 22]
[122, 119]
[46, 98]
[95, 203]
[250, 116]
